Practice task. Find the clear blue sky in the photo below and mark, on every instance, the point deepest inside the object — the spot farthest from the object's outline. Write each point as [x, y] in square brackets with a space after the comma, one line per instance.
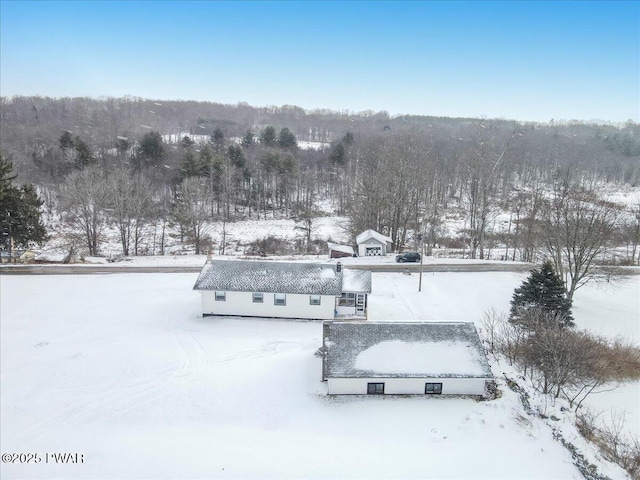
[520, 60]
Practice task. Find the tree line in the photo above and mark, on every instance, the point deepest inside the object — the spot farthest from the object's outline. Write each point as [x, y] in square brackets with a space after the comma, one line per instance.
[405, 176]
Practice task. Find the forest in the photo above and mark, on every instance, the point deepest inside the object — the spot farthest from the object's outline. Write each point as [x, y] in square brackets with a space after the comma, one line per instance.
[126, 163]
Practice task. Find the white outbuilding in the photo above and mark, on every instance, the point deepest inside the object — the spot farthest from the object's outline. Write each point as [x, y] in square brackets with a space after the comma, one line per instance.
[383, 358]
[282, 289]
[371, 243]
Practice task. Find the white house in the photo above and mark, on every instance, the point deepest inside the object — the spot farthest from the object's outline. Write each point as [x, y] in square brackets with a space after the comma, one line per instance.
[282, 289]
[404, 358]
[372, 243]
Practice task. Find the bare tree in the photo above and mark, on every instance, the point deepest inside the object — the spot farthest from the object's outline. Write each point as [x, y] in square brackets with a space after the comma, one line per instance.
[83, 199]
[130, 205]
[191, 210]
[577, 228]
[485, 154]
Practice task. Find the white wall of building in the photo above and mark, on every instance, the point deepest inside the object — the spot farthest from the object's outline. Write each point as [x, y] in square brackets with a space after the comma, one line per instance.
[406, 386]
[241, 303]
[346, 310]
[372, 242]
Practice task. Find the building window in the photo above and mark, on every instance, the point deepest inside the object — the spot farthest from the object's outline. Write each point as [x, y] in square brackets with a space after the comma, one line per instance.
[279, 299]
[375, 388]
[347, 300]
[314, 300]
[435, 388]
[258, 297]
[221, 296]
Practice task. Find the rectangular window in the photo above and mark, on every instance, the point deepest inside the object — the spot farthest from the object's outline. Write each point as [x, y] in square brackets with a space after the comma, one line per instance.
[435, 388]
[375, 388]
[279, 299]
[258, 297]
[347, 300]
[221, 296]
[314, 300]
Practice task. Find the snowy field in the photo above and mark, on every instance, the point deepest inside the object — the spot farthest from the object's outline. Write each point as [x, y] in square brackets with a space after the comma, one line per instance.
[123, 369]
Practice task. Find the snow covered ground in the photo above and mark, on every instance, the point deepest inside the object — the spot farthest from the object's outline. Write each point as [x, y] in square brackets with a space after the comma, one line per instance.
[123, 369]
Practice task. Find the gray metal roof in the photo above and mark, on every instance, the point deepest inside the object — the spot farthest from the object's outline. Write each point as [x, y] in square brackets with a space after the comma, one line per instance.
[271, 277]
[344, 341]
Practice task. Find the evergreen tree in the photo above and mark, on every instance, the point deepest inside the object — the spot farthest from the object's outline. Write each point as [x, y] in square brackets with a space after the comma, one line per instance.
[6, 175]
[187, 143]
[247, 139]
[83, 153]
[286, 139]
[191, 166]
[338, 154]
[544, 292]
[268, 137]
[150, 151]
[66, 141]
[20, 222]
[348, 139]
[234, 153]
[217, 139]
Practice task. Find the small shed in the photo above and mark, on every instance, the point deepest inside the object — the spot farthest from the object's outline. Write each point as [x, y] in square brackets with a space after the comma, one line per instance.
[444, 358]
[339, 251]
[372, 243]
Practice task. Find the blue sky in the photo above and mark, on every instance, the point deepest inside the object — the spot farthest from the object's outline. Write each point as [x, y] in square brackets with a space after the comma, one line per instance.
[520, 60]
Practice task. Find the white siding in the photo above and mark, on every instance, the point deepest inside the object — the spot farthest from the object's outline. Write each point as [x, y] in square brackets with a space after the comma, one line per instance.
[346, 310]
[241, 303]
[372, 242]
[407, 386]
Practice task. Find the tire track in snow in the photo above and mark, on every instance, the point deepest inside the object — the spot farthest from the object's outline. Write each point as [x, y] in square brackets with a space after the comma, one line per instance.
[398, 294]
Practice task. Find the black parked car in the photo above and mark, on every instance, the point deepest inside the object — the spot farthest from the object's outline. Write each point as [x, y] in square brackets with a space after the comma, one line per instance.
[408, 257]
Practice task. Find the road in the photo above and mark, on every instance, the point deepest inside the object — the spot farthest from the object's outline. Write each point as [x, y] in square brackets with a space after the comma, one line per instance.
[57, 269]
[110, 269]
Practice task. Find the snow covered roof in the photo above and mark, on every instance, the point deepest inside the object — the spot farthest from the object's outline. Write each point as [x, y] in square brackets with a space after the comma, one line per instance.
[369, 234]
[356, 281]
[381, 349]
[272, 277]
[340, 248]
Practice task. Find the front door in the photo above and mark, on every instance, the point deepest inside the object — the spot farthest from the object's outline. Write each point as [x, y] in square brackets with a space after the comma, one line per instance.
[361, 303]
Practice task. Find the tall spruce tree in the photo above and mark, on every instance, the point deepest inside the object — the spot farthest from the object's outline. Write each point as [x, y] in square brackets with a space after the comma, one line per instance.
[542, 292]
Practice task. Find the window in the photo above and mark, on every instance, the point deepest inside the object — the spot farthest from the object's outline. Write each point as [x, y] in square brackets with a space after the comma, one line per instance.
[347, 300]
[279, 299]
[221, 296]
[314, 300]
[375, 388]
[258, 297]
[435, 388]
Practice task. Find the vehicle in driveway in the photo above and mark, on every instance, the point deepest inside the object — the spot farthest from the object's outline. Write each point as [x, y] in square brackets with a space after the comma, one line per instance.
[408, 257]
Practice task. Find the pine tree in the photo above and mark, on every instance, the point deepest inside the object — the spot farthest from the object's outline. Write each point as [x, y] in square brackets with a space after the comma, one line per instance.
[150, 151]
[268, 137]
[338, 154]
[83, 153]
[286, 139]
[247, 139]
[217, 139]
[20, 222]
[543, 292]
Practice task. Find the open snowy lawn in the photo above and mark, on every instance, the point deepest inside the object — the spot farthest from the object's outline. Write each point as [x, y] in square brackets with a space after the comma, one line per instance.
[606, 309]
[123, 369]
